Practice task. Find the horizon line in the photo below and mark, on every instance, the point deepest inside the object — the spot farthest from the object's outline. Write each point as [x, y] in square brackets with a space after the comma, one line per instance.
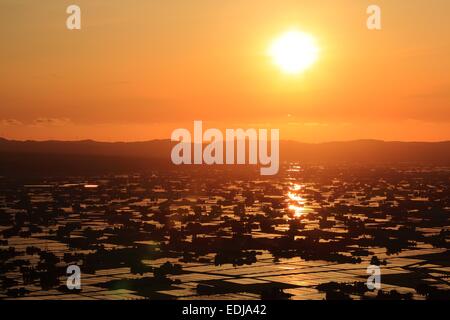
[281, 140]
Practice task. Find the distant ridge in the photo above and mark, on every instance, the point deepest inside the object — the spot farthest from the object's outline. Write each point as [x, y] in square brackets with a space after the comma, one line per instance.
[35, 155]
[146, 149]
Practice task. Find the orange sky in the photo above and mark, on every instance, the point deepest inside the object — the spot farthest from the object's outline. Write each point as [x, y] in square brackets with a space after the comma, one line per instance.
[140, 69]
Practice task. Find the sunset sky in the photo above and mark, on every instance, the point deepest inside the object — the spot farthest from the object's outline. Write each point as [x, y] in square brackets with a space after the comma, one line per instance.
[139, 69]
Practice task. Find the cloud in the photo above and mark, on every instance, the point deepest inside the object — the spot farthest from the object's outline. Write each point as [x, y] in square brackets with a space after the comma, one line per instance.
[51, 122]
[38, 122]
[10, 122]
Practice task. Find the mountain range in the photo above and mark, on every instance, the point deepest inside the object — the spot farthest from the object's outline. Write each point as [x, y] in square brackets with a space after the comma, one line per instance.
[17, 155]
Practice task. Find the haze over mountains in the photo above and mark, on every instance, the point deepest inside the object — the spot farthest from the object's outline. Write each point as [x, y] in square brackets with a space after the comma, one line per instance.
[358, 150]
[351, 151]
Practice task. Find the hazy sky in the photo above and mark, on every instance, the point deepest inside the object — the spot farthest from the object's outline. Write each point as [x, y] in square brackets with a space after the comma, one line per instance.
[139, 69]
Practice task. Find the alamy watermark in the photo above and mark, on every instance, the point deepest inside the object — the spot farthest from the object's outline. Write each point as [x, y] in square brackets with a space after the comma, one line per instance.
[374, 19]
[374, 280]
[74, 277]
[220, 148]
[73, 21]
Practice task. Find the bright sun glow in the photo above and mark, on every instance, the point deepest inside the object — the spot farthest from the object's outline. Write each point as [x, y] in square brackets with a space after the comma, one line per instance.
[294, 52]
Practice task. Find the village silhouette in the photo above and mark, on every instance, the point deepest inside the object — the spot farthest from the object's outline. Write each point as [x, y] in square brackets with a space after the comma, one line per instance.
[228, 233]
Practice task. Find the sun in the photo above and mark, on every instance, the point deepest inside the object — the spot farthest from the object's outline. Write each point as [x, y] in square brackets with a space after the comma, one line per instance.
[294, 52]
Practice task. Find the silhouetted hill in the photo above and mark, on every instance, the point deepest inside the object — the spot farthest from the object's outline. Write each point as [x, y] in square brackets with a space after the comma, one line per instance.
[369, 151]
[358, 150]
[147, 149]
[88, 155]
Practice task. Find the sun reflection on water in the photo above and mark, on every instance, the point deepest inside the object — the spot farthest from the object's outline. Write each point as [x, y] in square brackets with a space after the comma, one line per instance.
[295, 197]
[298, 211]
[296, 202]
